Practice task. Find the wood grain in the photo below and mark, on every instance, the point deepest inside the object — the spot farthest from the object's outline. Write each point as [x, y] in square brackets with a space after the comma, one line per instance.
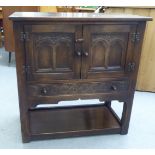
[44, 66]
[84, 120]
[47, 9]
[67, 16]
[146, 74]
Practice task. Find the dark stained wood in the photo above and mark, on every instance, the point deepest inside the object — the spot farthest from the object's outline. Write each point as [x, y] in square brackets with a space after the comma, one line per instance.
[77, 88]
[1, 25]
[52, 50]
[21, 78]
[127, 107]
[78, 119]
[63, 57]
[50, 100]
[67, 16]
[105, 43]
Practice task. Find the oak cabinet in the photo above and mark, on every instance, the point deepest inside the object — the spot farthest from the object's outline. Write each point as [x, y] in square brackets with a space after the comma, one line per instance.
[73, 56]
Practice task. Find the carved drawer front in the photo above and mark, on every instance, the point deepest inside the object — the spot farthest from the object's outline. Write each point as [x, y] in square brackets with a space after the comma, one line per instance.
[77, 88]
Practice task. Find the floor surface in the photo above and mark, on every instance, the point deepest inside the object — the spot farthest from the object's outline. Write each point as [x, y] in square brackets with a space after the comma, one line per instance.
[141, 132]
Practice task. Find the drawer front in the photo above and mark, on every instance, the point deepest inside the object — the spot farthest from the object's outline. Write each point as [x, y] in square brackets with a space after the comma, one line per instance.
[77, 88]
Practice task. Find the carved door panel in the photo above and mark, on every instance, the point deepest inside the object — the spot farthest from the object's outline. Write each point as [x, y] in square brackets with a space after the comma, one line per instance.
[51, 52]
[107, 50]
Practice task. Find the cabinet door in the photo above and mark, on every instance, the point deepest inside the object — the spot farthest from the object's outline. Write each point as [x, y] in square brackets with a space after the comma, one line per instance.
[51, 52]
[107, 50]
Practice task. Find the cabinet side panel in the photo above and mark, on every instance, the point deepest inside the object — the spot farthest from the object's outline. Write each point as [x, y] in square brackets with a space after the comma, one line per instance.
[137, 51]
[20, 63]
[127, 108]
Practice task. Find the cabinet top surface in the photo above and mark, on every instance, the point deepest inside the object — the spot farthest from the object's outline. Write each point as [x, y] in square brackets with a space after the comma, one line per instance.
[63, 16]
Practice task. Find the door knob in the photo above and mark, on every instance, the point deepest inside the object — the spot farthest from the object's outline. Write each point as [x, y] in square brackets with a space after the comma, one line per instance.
[44, 91]
[114, 88]
[86, 54]
[78, 53]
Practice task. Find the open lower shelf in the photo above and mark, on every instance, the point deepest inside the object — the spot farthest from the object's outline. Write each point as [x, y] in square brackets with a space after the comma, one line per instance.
[80, 120]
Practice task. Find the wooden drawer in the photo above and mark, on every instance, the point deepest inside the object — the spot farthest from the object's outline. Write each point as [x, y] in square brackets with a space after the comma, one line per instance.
[45, 90]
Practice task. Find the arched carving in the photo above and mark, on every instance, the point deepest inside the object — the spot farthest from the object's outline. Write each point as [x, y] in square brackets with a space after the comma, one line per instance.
[116, 50]
[56, 48]
[63, 55]
[52, 40]
[98, 52]
[105, 48]
[108, 37]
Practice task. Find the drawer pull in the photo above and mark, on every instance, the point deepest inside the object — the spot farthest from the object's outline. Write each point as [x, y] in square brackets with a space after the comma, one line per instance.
[114, 88]
[44, 91]
[79, 40]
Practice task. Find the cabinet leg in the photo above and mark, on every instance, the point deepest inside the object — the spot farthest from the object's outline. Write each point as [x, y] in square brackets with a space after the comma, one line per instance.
[25, 124]
[9, 57]
[127, 108]
[25, 131]
[25, 139]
